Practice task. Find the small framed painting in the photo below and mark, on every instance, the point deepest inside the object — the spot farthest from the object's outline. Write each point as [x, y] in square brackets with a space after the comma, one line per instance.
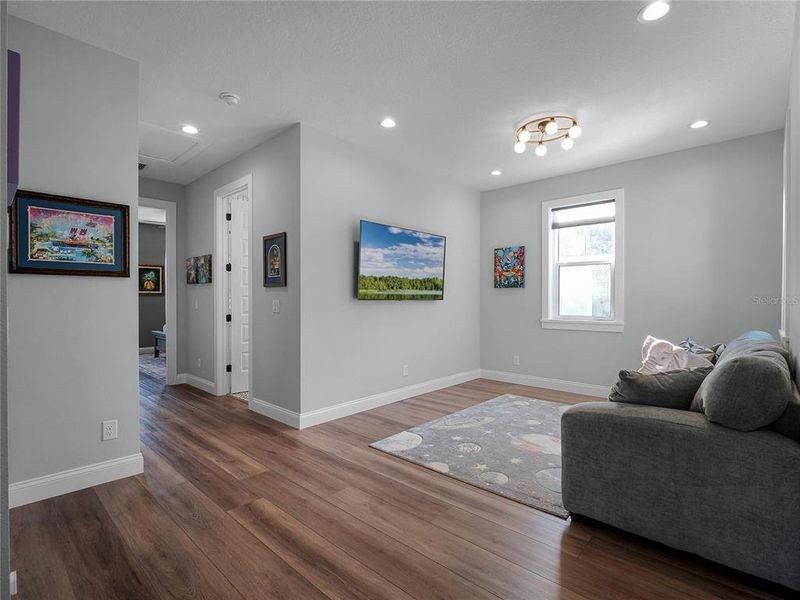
[203, 268]
[58, 235]
[151, 280]
[191, 270]
[509, 267]
[275, 260]
[198, 269]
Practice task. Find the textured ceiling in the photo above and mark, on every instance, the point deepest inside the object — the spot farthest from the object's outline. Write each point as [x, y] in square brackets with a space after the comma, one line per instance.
[457, 77]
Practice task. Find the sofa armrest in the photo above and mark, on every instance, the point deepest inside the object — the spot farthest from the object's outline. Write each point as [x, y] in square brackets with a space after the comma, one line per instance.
[671, 476]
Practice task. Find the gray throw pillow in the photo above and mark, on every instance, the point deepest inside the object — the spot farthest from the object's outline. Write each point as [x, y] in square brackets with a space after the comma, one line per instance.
[747, 392]
[668, 389]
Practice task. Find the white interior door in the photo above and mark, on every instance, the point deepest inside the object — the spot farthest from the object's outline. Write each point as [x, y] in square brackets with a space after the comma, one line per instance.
[237, 205]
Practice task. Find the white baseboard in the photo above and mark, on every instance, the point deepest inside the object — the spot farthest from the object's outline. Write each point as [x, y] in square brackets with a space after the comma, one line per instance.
[198, 382]
[72, 480]
[321, 415]
[273, 411]
[573, 387]
[351, 407]
[147, 350]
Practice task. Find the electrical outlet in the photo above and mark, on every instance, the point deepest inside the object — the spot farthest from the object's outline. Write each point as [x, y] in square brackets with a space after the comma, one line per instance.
[109, 430]
[199, 364]
[276, 305]
[405, 370]
[516, 360]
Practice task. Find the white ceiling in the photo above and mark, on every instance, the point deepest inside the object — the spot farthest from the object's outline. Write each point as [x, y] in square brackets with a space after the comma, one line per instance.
[457, 77]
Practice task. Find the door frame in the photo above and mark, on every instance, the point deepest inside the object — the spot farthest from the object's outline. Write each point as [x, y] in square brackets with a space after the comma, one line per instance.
[222, 381]
[171, 282]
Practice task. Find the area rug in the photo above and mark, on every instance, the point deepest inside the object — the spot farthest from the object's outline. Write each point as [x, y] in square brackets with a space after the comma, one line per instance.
[510, 445]
[152, 366]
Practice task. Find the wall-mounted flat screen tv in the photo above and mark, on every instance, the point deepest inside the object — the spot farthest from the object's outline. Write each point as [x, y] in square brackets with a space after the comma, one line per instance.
[395, 263]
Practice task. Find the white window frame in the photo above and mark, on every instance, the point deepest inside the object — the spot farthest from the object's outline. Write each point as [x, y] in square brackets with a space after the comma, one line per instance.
[550, 318]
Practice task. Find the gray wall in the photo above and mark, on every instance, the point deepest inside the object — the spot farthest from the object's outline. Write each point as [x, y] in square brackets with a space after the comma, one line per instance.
[792, 199]
[353, 349]
[702, 238]
[275, 166]
[4, 524]
[175, 193]
[73, 340]
[152, 309]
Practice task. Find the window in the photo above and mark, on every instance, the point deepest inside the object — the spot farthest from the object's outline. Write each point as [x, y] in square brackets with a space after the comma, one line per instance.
[582, 266]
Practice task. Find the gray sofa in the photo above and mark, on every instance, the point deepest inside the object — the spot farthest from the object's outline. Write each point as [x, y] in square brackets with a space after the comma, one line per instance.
[675, 477]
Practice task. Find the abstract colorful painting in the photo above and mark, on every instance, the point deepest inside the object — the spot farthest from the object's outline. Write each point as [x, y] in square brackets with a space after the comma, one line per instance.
[203, 266]
[509, 267]
[191, 270]
[151, 280]
[198, 269]
[68, 236]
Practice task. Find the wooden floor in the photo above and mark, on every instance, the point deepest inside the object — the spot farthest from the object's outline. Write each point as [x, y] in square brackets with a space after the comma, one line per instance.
[232, 505]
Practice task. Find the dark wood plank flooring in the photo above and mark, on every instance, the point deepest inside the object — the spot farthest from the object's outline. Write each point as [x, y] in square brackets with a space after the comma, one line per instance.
[233, 505]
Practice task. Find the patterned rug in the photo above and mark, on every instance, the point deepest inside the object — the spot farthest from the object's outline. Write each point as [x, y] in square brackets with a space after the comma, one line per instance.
[152, 366]
[510, 445]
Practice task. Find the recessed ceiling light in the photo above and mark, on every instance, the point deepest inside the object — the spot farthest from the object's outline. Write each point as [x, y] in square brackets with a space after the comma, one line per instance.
[190, 129]
[496, 172]
[653, 11]
[699, 124]
[388, 123]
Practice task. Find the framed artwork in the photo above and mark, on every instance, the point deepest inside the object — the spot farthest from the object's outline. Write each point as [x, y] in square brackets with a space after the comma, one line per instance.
[203, 267]
[151, 280]
[275, 260]
[509, 267]
[191, 270]
[198, 269]
[58, 235]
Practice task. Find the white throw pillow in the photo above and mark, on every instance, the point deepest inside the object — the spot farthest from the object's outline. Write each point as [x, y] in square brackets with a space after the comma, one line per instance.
[661, 355]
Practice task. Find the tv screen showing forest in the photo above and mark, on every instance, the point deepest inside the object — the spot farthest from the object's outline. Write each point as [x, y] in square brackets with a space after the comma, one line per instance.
[399, 264]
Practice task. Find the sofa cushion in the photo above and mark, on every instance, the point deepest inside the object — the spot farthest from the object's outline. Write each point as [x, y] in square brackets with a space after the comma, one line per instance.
[788, 423]
[748, 391]
[754, 341]
[667, 389]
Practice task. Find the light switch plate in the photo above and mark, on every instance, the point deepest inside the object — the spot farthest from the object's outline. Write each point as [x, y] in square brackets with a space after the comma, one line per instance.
[276, 305]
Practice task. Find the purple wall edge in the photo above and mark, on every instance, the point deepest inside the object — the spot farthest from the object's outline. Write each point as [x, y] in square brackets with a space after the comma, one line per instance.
[12, 114]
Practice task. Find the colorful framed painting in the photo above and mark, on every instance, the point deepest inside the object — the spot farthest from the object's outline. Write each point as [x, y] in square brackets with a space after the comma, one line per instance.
[151, 280]
[509, 267]
[57, 235]
[191, 270]
[275, 260]
[203, 267]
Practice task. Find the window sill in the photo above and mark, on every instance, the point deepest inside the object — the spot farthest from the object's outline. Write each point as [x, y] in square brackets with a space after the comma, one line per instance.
[608, 326]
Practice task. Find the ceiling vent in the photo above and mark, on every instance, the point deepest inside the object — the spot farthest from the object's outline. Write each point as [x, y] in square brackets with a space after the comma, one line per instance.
[142, 166]
[170, 146]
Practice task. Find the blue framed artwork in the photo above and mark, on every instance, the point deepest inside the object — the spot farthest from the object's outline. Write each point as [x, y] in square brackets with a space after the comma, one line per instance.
[57, 235]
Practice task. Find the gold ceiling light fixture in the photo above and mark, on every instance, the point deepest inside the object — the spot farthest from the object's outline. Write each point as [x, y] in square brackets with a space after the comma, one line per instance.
[541, 130]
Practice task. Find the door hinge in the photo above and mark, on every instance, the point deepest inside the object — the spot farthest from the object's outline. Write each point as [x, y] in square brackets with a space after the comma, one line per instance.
[228, 318]
[228, 368]
[228, 267]
[228, 216]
